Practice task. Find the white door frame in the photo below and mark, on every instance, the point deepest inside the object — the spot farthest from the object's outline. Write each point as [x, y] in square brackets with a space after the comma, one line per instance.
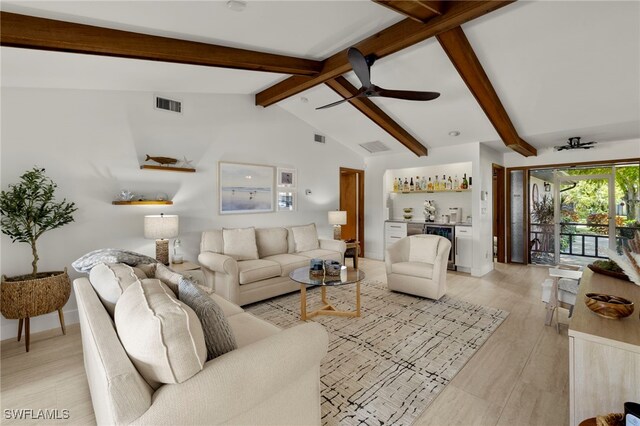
[558, 180]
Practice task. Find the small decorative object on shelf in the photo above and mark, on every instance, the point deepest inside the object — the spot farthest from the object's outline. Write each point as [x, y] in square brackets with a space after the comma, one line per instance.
[177, 252]
[126, 195]
[165, 161]
[316, 267]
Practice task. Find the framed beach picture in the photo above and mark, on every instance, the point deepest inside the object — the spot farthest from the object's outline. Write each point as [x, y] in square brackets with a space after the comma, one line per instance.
[287, 177]
[286, 200]
[246, 188]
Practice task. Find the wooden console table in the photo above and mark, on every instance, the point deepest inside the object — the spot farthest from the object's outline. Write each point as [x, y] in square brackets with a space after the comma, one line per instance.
[604, 354]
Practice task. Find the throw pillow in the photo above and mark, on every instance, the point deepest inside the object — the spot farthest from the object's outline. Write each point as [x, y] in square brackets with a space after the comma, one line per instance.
[305, 237]
[218, 336]
[271, 241]
[240, 243]
[167, 276]
[161, 335]
[88, 261]
[423, 248]
[149, 269]
[110, 280]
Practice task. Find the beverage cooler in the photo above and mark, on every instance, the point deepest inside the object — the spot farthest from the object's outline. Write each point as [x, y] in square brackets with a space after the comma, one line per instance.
[448, 232]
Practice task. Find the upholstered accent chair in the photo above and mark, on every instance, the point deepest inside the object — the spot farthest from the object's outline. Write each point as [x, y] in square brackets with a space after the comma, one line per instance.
[418, 265]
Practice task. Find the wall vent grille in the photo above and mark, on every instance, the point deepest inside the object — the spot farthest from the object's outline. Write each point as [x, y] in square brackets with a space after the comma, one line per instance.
[319, 138]
[168, 104]
[375, 146]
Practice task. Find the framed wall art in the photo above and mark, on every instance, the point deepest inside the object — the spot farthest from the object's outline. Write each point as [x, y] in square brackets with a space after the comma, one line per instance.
[287, 177]
[286, 200]
[246, 188]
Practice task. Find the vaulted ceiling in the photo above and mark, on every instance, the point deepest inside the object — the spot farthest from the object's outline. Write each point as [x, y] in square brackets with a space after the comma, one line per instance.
[559, 69]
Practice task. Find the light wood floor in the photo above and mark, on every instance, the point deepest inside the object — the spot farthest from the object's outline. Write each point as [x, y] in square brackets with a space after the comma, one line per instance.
[519, 377]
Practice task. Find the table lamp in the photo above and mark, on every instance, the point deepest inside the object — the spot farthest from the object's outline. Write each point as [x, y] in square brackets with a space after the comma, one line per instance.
[160, 228]
[337, 218]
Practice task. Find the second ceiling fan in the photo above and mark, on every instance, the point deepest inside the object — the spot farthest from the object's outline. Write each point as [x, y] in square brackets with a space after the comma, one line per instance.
[362, 68]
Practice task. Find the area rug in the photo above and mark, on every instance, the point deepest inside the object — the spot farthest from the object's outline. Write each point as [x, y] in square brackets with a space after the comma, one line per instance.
[386, 367]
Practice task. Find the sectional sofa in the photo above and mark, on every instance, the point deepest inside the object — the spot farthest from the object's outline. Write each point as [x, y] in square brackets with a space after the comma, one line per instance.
[251, 264]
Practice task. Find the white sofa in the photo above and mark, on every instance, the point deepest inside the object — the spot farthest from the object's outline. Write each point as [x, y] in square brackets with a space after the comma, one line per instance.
[272, 378]
[248, 281]
[418, 265]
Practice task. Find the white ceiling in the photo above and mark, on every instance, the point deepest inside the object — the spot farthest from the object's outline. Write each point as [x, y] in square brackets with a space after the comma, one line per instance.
[560, 68]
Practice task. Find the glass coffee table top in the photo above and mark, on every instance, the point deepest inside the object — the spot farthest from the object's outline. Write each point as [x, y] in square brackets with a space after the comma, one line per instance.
[347, 275]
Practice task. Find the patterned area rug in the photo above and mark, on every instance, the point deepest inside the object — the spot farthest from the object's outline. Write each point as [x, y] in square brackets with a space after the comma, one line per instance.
[387, 366]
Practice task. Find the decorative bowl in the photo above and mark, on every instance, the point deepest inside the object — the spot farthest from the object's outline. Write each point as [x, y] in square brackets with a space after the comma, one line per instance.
[407, 216]
[408, 209]
[332, 268]
[607, 272]
[608, 306]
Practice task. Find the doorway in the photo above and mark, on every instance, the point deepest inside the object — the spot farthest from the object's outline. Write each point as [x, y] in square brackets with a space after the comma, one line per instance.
[499, 212]
[352, 201]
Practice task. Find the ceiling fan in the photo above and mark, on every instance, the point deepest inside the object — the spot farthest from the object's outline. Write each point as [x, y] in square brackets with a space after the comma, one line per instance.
[362, 67]
[574, 143]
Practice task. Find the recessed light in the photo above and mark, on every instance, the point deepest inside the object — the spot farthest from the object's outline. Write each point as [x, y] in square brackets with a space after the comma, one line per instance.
[454, 133]
[304, 100]
[237, 5]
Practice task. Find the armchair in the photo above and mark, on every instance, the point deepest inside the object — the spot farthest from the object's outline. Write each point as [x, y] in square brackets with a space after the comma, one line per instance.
[418, 265]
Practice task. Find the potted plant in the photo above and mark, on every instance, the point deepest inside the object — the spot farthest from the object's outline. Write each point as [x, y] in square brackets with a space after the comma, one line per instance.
[27, 210]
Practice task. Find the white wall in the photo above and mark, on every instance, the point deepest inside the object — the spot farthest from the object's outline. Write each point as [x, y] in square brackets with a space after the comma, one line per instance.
[93, 142]
[603, 151]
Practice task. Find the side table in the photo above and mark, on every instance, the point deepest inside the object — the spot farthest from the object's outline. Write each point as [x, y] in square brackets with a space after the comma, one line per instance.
[353, 251]
[188, 269]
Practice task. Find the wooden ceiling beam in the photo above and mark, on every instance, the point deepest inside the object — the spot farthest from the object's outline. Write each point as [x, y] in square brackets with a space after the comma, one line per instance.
[418, 10]
[390, 40]
[47, 34]
[459, 50]
[342, 87]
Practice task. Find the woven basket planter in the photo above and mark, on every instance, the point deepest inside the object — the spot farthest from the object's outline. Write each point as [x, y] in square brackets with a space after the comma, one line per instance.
[23, 297]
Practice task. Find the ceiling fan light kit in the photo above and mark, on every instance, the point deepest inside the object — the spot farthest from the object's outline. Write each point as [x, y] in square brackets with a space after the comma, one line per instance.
[237, 5]
[362, 68]
[574, 143]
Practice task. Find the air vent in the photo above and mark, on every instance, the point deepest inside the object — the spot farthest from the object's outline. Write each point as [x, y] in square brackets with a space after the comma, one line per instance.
[318, 138]
[168, 104]
[375, 146]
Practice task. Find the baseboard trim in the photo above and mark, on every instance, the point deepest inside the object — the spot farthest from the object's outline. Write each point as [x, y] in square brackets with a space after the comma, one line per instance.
[40, 323]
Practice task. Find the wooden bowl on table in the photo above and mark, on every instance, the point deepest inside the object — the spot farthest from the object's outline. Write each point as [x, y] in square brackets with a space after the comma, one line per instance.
[608, 306]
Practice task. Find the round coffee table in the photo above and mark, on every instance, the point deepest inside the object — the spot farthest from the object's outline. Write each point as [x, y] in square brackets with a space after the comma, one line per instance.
[348, 276]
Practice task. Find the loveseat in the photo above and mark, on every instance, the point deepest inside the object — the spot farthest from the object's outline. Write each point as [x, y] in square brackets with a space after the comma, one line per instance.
[271, 378]
[252, 264]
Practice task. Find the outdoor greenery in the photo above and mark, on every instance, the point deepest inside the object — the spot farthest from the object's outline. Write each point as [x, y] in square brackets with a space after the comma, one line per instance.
[28, 209]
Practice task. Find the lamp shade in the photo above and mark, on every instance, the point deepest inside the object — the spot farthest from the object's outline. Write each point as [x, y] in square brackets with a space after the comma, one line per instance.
[160, 226]
[337, 217]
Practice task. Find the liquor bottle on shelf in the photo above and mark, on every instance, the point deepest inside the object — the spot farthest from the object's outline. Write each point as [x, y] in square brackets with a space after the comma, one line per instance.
[423, 183]
[412, 186]
[443, 184]
[405, 187]
[436, 185]
[449, 184]
[456, 183]
[429, 185]
[400, 185]
[470, 182]
[418, 184]
[465, 184]
[395, 185]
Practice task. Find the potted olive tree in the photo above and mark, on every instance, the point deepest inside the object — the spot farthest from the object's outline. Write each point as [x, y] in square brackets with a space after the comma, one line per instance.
[28, 209]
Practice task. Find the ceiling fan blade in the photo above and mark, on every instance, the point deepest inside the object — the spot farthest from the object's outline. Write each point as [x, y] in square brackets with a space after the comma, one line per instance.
[408, 95]
[561, 147]
[338, 102]
[360, 66]
[589, 143]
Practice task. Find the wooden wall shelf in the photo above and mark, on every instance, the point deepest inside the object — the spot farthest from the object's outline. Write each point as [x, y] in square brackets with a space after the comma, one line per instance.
[168, 168]
[142, 203]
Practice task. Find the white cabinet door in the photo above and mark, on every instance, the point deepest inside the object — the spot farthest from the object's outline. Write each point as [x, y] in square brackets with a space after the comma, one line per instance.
[464, 251]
